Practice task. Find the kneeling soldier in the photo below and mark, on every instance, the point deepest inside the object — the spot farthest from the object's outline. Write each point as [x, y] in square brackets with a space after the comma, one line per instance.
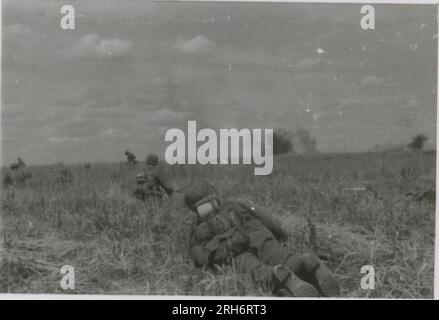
[153, 183]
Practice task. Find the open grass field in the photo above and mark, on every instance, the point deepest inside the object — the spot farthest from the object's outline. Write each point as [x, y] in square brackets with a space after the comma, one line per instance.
[366, 209]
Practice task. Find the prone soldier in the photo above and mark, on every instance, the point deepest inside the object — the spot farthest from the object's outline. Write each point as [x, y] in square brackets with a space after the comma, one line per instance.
[232, 232]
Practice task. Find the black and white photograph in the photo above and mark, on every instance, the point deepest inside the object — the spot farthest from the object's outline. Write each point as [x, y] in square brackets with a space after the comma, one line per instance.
[218, 149]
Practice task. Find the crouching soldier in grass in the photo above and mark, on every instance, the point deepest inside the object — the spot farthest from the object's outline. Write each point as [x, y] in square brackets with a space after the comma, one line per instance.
[152, 183]
[234, 233]
[131, 158]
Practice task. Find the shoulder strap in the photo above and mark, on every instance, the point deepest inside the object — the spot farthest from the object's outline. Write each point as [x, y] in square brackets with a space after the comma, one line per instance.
[240, 207]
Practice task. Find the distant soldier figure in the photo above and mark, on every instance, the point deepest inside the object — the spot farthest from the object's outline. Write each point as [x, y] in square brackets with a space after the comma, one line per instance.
[19, 174]
[233, 232]
[131, 158]
[140, 191]
[18, 165]
[153, 183]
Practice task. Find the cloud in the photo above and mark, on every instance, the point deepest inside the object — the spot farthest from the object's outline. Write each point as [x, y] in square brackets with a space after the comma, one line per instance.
[167, 117]
[373, 81]
[311, 63]
[246, 57]
[92, 45]
[52, 139]
[368, 101]
[16, 30]
[114, 133]
[198, 45]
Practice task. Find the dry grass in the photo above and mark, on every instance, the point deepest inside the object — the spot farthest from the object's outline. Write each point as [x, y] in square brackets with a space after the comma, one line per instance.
[118, 245]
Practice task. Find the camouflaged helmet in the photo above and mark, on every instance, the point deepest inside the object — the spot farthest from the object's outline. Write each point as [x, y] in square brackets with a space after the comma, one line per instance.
[197, 191]
[152, 159]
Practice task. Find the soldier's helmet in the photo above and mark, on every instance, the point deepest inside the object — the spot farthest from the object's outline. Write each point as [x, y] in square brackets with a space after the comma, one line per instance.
[127, 152]
[197, 192]
[152, 159]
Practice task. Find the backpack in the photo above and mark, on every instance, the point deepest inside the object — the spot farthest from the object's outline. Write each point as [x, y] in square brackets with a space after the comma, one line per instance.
[244, 210]
[218, 239]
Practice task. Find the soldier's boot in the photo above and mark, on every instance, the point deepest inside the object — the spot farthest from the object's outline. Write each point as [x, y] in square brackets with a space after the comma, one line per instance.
[294, 285]
[317, 273]
[327, 281]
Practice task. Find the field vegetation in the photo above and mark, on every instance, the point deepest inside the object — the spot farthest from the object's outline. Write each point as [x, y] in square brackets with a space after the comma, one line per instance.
[354, 209]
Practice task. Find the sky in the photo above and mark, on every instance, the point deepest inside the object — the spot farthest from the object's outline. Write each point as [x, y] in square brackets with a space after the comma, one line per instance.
[131, 70]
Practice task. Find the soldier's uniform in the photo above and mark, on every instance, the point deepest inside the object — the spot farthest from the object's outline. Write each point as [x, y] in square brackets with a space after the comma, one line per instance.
[131, 158]
[18, 165]
[153, 183]
[21, 163]
[236, 233]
